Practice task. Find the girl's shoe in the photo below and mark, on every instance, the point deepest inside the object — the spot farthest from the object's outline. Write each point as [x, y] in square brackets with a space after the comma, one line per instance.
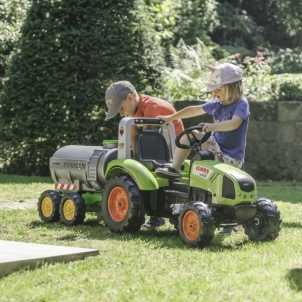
[167, 172]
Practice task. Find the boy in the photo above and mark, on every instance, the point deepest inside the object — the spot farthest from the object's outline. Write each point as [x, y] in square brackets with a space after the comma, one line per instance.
[121, 97]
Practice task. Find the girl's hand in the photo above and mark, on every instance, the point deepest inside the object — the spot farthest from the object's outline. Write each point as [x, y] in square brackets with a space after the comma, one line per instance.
[166, 118]
[207, 127]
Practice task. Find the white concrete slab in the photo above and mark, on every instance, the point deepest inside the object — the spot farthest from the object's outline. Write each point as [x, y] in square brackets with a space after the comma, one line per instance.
[16, 255]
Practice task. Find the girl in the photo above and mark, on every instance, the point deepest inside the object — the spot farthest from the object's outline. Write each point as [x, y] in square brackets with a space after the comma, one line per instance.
[230, 111]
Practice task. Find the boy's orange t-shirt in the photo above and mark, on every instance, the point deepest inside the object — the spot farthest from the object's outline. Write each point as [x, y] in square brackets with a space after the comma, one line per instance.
[152, 107]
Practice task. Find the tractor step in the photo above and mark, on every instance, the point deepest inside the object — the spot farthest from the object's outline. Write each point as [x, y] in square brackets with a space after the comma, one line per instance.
[179, 186]
[175, 197]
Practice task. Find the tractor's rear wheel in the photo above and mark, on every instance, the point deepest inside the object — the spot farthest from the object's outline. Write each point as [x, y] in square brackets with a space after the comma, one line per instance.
[122, 205]
[266, 224]
[196, 224]
[72, 209]
[48, 206]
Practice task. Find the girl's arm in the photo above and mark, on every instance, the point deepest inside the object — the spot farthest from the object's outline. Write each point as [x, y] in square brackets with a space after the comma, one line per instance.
[228, 125]
[183, 113]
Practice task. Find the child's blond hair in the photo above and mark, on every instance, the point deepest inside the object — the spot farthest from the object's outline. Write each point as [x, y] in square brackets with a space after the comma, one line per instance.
[233, 91]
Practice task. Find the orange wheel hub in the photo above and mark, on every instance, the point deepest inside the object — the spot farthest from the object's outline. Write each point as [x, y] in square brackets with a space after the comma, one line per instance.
[118, 204]
[191, 225]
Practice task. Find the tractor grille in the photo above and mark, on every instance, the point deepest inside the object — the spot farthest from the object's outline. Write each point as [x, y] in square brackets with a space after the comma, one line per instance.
[245, 182]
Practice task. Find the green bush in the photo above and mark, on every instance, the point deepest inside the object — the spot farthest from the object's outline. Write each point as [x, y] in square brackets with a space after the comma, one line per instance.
[187, 76]
[286, 60]
[67, 55]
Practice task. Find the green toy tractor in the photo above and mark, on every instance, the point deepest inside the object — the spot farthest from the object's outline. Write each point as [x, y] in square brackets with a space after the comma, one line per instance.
[122, 189]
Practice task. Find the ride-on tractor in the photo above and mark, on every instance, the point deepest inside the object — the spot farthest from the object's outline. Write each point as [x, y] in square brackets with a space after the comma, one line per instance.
[123, 188]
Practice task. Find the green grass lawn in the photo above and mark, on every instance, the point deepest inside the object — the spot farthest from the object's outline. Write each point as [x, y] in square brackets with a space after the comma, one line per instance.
[153, 264]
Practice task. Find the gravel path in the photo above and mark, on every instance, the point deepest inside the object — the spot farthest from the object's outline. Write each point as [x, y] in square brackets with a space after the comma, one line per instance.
[18, 205]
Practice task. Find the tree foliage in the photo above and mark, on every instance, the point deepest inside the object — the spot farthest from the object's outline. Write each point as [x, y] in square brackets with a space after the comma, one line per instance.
[175, 20]
[12, 14]
[259, 24]
[69, 52]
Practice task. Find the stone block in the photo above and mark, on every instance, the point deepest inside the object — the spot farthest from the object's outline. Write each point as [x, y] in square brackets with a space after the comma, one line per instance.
[269, 161]
[298, 133]
[286, 132]
[255, 132]
[262, 132]
[263, 111]
[290, 111]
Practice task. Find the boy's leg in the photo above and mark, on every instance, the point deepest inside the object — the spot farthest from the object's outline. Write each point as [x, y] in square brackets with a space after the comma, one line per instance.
[154, 222]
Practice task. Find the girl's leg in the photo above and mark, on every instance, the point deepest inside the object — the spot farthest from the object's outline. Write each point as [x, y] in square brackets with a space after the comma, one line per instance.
[181, 154]
[179, 157]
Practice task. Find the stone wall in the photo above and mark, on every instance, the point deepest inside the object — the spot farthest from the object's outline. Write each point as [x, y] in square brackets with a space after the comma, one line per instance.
[274, 140]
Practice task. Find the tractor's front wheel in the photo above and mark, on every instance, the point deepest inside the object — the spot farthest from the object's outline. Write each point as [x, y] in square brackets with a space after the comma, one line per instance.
[72, 209]
[196, 224]
[48, 206]
[266, 224]
[122, 205]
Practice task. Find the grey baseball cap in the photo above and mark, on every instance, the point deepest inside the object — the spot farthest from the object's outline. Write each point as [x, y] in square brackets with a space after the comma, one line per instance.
[222, 74]
[114, 96]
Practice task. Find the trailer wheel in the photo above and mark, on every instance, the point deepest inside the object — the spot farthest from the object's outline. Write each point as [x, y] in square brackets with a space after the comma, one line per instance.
[196, 224]
[72, 209]
[122, 205]
[266, 224]
[48, 206]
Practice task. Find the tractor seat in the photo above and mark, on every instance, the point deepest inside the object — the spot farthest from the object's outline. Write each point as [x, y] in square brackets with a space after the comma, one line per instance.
[151, 149]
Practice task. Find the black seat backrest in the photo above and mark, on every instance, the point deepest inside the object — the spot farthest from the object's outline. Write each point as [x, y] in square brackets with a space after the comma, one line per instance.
[151, 149]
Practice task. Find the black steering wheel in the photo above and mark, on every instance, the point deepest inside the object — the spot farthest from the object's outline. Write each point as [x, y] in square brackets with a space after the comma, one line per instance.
[194, 142]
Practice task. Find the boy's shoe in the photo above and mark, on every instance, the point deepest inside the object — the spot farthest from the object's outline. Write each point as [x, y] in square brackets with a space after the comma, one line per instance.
[167, 172]
[228, 231]
[154, 222]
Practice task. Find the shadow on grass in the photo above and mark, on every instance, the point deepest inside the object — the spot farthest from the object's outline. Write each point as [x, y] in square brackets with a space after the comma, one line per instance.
[294, 277]
[19, 179]
[163, 237]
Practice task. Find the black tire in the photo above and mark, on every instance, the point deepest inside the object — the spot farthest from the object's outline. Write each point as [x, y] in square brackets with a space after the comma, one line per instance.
[72, 209]
[196, 224]
[122, 205]
[266, 224]
[48, 206]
